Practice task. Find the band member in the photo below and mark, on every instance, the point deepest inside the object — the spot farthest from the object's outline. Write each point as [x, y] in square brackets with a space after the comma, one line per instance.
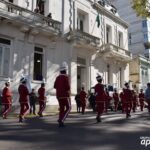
[83, 96]
[134, 100]
[6, 99]
[78, 103]
[42, 99]
[128, 100]
[100, 97]
[23, 98]
[122, 100]
[116, 99]
[141, 99]
[62, 86]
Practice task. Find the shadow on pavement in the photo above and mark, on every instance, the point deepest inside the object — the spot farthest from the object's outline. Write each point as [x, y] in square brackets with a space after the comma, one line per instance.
[81, 133]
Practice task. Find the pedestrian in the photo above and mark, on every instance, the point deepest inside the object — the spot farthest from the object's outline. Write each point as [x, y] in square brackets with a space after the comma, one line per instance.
[121, 95]
[108, 99]
[100, 97]
[33, 100]
[128, 100]
[116, 99]
[23, 98]
[6, 99]
[147, 96]
[62, 86]
[37, 10]
[83, 96]
[134, 100]
[78, 104]
[49, 16]
[92, 101]
[42, 99]
[141, 99]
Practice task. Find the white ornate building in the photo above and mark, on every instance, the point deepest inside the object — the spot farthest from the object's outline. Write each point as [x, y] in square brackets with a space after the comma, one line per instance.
[139, 42]
[34, 44]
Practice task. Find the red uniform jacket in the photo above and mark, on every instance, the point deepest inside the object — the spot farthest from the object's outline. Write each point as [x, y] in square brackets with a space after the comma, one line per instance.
[116, 97]
[134, 98]
[141, 96]
[62, 86]
[127, 95]
[108, 98]
[41, 92]
[6, 96]
[83, 95]
[100, 93]
[23, 93]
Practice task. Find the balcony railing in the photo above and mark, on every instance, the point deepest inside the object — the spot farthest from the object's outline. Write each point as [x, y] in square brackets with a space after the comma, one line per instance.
[116, 51]
[85, 38]
[27, 17]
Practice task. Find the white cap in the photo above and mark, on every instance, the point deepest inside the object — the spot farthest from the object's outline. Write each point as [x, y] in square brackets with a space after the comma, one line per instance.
[64, 66]
[23, 78]
[43, 81]
[126, 83]
[83, 85]
[8, 81]
[98, 77]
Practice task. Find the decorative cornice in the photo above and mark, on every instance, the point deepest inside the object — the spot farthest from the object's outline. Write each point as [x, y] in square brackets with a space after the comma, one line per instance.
[104, 11]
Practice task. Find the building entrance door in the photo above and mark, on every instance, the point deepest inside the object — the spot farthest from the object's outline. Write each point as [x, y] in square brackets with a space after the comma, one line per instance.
[81, 73]
[81, 77]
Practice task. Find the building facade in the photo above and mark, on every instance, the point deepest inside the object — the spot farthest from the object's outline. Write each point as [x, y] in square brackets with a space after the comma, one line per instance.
[139, 39]
[37, 36]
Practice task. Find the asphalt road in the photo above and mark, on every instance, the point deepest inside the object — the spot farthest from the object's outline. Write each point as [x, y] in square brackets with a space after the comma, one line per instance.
[81, 133]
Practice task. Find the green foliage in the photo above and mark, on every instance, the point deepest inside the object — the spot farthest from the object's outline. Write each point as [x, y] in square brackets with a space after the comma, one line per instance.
[142, 7]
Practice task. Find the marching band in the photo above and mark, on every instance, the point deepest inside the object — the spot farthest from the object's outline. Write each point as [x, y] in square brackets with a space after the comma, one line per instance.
[127, 99]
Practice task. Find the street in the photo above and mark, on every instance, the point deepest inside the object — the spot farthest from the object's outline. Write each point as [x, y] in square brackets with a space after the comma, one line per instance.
[81, 132]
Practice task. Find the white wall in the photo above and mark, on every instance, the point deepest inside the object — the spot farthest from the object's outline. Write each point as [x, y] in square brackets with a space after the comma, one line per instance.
[57, 50]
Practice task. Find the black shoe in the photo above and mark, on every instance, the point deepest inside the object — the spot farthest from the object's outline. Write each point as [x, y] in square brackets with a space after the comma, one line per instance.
[98, 119]
[128, 116]
[40, 115]
[61, 124]
[20, 119]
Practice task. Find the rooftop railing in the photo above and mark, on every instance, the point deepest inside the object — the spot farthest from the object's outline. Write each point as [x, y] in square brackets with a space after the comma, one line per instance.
[19, 14]
[86, 38]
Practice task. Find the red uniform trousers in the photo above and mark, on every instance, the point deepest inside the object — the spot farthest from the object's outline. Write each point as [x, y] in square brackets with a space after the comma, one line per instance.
[100, 107]
[128, 106]
[83, 105]
[64, 108]
[107, 102]
[141, 100]
[6, 110]
[123, 106]
[42, 105]
[24, 109]
[134, 105]
[116, 102]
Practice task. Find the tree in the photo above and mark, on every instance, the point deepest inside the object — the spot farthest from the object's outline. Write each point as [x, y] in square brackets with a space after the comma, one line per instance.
[142, 7]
